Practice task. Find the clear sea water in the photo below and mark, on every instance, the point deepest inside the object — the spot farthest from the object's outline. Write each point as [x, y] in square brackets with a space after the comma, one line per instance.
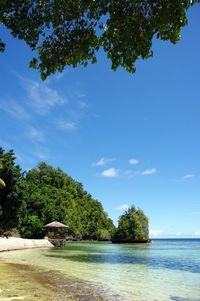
[165, 270]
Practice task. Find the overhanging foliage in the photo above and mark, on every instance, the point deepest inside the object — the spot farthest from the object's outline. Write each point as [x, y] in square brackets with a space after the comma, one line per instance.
[70, 32]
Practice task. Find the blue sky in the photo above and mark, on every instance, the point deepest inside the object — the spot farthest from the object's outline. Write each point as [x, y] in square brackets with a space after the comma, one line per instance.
[130, 139]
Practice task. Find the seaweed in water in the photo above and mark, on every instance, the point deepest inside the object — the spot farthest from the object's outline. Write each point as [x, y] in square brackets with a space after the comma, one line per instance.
[175, 298]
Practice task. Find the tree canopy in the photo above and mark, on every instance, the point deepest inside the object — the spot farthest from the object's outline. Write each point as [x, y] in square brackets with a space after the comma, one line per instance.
[70, 32]
[133, 226]
[51, 194]
[11, 196]
[43, 194]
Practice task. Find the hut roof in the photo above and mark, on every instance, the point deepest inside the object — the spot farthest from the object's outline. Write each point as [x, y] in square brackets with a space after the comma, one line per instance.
[56, 224]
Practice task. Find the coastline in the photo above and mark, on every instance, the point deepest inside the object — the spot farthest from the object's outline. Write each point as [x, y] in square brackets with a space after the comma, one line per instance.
[15, 243]
[22, 281]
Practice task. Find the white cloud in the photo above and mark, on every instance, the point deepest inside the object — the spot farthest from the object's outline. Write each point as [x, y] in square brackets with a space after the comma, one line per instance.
[148, 172]
[155, 233]
[188, 176]
[103, 161]
[133, 161]
[69, 125]
[35, 134]
[110, 173]
[122, 207]
[163, 234]
[14, 109]
[41, 96]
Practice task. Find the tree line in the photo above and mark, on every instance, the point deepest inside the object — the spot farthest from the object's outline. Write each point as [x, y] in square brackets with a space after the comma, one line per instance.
[31, 199]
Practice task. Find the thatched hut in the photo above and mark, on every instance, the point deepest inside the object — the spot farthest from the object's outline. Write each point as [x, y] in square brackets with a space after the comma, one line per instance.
[55, 236]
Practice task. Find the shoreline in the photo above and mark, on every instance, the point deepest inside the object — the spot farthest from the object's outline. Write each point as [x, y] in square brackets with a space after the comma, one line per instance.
[22, 281]
[82, 273]
[15, 243]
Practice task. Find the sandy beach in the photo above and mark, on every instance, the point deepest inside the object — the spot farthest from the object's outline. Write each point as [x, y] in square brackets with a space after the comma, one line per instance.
[28, 282]
[15, 243]
[12, 276]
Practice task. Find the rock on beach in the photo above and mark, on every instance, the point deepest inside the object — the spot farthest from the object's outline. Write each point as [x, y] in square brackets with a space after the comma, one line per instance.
[15, 243]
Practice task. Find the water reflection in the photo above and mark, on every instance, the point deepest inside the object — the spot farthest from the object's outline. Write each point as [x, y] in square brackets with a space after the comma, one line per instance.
[126, 254]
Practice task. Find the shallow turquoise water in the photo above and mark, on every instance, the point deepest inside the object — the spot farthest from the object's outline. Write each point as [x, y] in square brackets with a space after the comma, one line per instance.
[161, 271]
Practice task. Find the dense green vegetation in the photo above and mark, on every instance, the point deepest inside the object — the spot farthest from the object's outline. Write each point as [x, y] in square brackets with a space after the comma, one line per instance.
[43, 194]
[53, 195]
[133, 227]
[11, 196]
[70, 33]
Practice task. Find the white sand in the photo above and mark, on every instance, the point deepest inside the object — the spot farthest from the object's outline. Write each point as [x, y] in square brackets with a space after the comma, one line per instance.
[13, 243]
